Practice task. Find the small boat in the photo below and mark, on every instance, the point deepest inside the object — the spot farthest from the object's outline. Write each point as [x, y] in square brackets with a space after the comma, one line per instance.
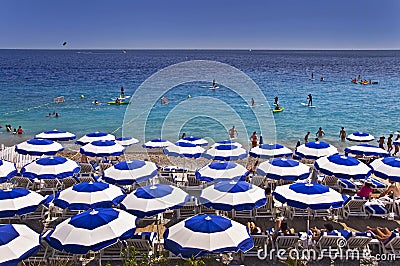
[279, 110]
[115, 103]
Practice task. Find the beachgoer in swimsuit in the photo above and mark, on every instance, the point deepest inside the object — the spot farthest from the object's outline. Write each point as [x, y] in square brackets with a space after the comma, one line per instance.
[306, 137]
[320, 132]
[309, 99]
[214, 83]
[20, 131]
[122, 92]
[252, 102]
[396, 146]
[254, 139]
[276, 100]
[232, 132]
[381, 142]
[342, 134]
[390, 143]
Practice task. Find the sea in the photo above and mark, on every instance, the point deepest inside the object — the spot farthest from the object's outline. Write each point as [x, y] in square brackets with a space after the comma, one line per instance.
[31, 79]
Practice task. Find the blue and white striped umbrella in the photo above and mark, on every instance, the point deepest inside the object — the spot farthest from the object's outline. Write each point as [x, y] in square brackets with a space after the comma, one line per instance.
[195, 141]
[94, 137]
[17, 242]
[360, 137]
[342, 167]
[231, 195]
[315, 150]
[50, 168]
[312, 196]
[157, 143]
[222, 171]
[204, 234]
[226, 153]
[154, 199]
[56, 135]
[126, 141]
[283, 169]
[102, 148]
[92, 230]
[266, 151]
[39, 147]
[7, 171]
[227, 142]
[130, 172]
[184, 149]
[89, 195]
[366, 150]
[18, 201]
[387, 168]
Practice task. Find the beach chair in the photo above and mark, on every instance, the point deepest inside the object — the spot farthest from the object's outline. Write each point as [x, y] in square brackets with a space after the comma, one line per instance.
[189, 209]
[22, 182]
[330, 181]
[205, 210]
[41, 257]
[268, 210]
[68, 182]
[113, 253]
[260, 241]
[142, 244]
[50, 185]
[377, 185]
[353, 206]
[286, 241]
[62, 258]
[376, 208]
[329, 245]
[87, 169]
[346, 184]
[359, 241]
[39, 214]
[392, 245]
[245, 214]
[258, 181]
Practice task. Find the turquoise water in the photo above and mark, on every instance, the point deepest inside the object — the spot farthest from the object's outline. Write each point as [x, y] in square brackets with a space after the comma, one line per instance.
[30, 79]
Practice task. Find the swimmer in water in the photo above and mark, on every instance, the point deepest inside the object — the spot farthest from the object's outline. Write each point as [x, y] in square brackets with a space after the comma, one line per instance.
[252, 102]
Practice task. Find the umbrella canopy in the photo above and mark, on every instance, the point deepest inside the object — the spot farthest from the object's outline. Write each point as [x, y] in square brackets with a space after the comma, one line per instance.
[315, 150]
[126, 141]
[102, 148]
[17, 242]
[38, 147]
[184, 149]
[92, 230]
[18, 201]
[157, 143]
[388, 168]
[7, 171]
[283, 169]
[270, 151]
[89, 195]
[56, 135]
[308, 195]
[366, 150]
[93, 137]
[222, 171]
[195, 141]
[154, 199]
[50, 168]
[342, 167]
[227, 142]
[360, 137]
[226, 153]
[231, 195]
[129, 172]
[204, 234]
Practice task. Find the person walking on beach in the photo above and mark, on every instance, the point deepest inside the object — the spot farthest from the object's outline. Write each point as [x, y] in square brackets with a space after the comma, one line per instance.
[390, 143]
[122, 92]
[320, 132]
[254, 139]
[309, 99]
[381, 142]
[232, 132]
[306, 137]
[342, 134]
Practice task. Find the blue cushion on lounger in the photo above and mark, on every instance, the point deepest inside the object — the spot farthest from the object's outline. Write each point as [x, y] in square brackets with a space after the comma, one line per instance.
[151, 236]
[393, 235]
[376, 209]
[346, 184]
[376, 183]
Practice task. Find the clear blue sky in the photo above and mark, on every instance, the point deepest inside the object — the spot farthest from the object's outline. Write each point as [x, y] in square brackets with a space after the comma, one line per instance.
[203, 24]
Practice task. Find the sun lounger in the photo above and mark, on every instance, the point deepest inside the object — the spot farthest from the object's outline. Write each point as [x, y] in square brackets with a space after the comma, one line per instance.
[376, 208]
[268, 210]
[392, 245]
[330, 244]
[353, 206]
[189, 209]
[260, 241]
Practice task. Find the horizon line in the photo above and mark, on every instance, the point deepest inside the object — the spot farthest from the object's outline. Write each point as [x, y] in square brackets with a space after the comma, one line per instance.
[208, 49]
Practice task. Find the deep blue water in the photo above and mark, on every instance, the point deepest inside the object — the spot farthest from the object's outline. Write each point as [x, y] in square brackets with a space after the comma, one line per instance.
[30, 79]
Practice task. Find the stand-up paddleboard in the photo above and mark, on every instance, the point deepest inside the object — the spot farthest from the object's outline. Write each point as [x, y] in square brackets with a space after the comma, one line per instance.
[213, 88]
[311, 106]
[121, 98]
[277, 111]
[251, 106]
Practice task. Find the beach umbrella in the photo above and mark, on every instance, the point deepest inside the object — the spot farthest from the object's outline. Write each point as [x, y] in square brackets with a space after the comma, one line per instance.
[102, 148]
[195, 141]
[315, 150]
[266, 151]
[93, 137]
[360, 137]
[222, 171]
[232, 195]
[89, 195]
[366, 150]
[18, 201]
[156, 144]
[56, 135]
[342, 166]
[38, 147]
[227, 142]
[91, 230]
[283, 169]
[50, 168]
[17, 242]
[205, 234]
[154, 199]
[126, 141]
[7, 171]
[184, 149]
[130, 172]
[387, 168]
[225, 153]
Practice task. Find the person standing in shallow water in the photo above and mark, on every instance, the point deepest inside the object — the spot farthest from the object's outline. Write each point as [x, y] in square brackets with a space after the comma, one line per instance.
[390, 143]
[233, 132]
[254, 139]
[342, 134]
[306, 137]
[320, 132]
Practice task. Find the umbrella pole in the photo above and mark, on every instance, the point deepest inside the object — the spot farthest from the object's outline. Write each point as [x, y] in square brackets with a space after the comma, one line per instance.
[308, 226]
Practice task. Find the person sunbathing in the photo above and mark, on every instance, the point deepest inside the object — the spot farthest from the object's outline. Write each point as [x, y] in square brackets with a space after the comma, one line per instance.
[381, 233]
[328, 228]
[253, 229]
[281, 227]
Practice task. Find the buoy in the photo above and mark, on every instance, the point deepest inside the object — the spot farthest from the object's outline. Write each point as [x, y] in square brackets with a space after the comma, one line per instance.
[82, 96]
[189, 96]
